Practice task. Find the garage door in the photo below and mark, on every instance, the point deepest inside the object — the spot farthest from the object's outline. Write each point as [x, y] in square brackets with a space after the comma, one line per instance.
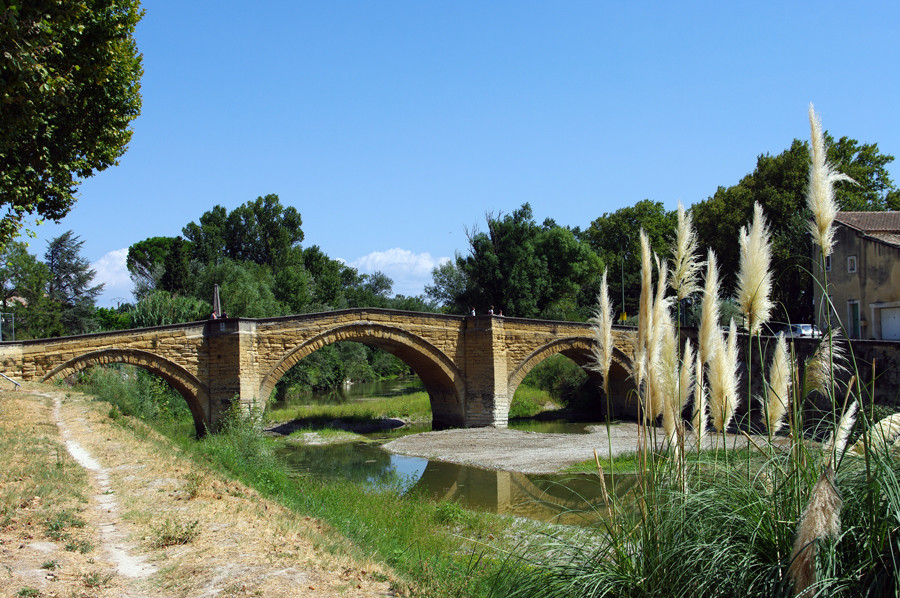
[890, 324]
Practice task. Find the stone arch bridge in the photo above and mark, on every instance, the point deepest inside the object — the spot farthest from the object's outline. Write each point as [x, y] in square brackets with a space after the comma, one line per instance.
[470, 365]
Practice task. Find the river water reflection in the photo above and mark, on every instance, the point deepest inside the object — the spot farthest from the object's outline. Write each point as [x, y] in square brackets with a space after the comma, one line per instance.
[564, 498]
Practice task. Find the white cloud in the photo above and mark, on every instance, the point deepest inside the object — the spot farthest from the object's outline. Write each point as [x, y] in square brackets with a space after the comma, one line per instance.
[112, 271]
[409, 271]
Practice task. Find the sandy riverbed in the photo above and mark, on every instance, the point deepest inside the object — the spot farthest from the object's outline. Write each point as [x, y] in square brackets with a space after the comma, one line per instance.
[527, 452]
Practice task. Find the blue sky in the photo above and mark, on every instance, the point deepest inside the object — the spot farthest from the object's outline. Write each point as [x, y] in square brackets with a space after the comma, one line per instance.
[393, 126]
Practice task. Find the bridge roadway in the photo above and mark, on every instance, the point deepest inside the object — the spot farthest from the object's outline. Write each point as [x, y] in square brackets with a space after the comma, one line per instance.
[470, 365]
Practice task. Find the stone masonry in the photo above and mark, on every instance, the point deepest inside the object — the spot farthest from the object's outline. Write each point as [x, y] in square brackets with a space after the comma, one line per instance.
[470, 365]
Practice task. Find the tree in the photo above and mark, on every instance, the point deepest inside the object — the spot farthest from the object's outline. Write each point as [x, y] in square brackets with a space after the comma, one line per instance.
[70, 283]
[520, 267]
[176, 275]
[261, 231]
[615, 237]
[779, 184]
[23, 283]
[449, 284]
[69, 89]
[146, 262]
[246, 288]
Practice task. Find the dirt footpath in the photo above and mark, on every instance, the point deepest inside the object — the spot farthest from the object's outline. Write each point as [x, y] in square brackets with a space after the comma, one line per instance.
[155, 524]
[528, 452]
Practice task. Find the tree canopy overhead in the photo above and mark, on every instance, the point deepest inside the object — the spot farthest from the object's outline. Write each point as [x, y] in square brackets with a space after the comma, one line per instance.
[69, 89]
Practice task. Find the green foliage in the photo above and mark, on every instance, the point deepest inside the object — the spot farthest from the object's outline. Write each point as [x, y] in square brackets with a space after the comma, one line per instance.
[23, 283]
[133, 391]
[615, 237]
[246, 288]
[70, 283]
[528, 402]
[160, 308]
[409, 407]
[779, 184]
[260, 231]
[146, 263]
[173, 532]
[71, 79]
[521, 268]
[114, 318]
[176, 277]
[557, 375]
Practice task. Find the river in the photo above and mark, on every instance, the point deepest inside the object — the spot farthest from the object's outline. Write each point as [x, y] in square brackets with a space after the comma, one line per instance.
[563, 498]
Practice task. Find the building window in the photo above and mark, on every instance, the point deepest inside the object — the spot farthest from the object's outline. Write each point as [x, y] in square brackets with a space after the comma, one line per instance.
[851, 264]
[828, 263]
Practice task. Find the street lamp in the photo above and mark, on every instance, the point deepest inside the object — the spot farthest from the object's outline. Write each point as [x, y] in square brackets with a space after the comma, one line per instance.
[624, 257]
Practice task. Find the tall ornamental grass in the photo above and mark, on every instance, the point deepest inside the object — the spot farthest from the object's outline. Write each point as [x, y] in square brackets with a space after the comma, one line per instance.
[804, 517]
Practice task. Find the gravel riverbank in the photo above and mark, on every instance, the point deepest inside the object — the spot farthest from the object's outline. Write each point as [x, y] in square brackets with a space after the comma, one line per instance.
[526, 452]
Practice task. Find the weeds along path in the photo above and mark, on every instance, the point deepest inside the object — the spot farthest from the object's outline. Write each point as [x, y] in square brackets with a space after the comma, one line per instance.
[142, 520]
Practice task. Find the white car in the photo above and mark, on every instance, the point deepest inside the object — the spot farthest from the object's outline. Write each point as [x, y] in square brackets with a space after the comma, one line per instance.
[802, 331]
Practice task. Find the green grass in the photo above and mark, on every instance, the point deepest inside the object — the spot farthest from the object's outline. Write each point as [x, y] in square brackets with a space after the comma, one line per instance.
[718, 527]
[414, 407]
[529, 401]
[631, 462]
[429, 543]
[172, 532]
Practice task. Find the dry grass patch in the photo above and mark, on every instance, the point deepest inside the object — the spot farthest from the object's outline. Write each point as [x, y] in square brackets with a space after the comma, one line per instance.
[208, 534]
[205, 534]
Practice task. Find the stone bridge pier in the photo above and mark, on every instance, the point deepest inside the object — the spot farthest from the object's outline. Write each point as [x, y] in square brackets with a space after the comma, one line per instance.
[470, 365]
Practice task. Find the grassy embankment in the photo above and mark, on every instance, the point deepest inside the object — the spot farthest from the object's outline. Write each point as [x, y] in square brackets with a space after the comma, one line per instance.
[43, 491]
[439, 547]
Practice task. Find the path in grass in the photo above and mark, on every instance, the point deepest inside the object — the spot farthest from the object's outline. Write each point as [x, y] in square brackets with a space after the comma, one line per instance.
[114, 543]
[150, 523]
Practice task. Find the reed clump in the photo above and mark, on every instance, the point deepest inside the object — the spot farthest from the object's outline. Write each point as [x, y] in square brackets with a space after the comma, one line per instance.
[788, 516]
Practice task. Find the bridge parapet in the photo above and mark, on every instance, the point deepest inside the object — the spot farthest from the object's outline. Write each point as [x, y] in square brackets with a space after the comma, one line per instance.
[470, 365]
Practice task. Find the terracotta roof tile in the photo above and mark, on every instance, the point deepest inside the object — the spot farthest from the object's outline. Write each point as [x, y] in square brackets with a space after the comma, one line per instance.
[889, 238]
[871, 222]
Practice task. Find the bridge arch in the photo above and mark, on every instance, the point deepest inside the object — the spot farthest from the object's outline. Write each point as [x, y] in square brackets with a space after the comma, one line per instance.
[441, 377]
[187, 385]
[578, 349]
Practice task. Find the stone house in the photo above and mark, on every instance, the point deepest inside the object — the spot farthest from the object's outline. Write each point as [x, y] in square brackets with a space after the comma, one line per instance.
[863, 276]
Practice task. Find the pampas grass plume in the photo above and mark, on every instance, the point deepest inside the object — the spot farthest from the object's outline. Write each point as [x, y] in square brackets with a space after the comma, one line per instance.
[723, 382]
[710, 340]
[879, 436]
[640, 362]
[685, 264]
[700, 418]
[821, 519]
[662, 351]
[820, 194]
[836, 446]
[601, 326]
[825, 364]
[777, 397]
[755, 279]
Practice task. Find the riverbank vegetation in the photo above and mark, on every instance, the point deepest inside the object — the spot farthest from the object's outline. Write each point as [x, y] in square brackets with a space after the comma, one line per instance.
[803, 511]
[440, 548]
